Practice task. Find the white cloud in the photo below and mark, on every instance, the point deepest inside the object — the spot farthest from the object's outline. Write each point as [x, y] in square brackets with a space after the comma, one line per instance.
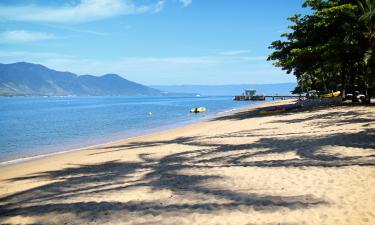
[159, 6]
[186, 2]
[85, 10]
[131, 67]
[97, 67]
[23, 36]
[255, 58]
[204, 69]
[31, 55]
[172, 60]
[234, 52]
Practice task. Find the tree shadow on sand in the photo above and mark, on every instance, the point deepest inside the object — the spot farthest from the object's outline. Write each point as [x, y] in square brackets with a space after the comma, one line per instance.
[108, 178]
[65, 189]
[242, 115]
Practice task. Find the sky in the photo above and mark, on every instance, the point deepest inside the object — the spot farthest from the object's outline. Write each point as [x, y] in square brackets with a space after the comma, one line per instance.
[153, 42]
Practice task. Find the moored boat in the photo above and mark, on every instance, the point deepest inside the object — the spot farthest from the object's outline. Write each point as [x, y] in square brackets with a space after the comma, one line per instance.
[198, 110]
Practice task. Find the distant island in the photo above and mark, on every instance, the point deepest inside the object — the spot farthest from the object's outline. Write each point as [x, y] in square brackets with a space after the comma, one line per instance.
[28, 79]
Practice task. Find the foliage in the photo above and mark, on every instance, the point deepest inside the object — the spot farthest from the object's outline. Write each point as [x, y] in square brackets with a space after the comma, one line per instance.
[331, 48]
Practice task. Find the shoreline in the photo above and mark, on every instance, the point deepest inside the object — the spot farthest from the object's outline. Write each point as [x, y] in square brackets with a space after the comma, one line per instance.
[140, 134]
[308, 166]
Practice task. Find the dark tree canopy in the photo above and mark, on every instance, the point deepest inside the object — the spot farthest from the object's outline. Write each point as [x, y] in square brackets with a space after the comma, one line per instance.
[331, 48]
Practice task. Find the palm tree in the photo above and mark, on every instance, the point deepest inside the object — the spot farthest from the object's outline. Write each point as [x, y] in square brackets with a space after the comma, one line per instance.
[367, 18]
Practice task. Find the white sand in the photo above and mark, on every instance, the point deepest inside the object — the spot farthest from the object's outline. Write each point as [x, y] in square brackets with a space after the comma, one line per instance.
[306, 167]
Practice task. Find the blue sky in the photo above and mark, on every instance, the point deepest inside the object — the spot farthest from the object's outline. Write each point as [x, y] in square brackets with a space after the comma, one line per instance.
[149, 41]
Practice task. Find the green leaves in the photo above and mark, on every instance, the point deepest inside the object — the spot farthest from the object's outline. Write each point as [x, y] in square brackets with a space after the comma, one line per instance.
[331, 47]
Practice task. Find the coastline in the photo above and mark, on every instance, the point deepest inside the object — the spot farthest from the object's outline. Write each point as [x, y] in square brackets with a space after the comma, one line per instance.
[129, 137]
[309, 166]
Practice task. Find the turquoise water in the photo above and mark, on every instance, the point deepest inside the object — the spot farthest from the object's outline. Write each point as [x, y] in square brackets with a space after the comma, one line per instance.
[37, 126]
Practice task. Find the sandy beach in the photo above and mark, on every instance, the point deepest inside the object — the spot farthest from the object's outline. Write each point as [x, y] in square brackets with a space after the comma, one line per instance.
[310, 166]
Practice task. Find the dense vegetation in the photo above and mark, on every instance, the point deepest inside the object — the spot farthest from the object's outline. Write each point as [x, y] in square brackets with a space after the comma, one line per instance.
[331, 48]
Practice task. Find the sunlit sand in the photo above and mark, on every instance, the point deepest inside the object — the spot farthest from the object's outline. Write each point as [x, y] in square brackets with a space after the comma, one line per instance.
[310, 166]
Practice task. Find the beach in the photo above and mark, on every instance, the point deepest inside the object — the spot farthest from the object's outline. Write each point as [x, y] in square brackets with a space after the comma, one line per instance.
[307, 166]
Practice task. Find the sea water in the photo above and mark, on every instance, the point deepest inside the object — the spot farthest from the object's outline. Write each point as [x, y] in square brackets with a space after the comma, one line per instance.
[34, 126]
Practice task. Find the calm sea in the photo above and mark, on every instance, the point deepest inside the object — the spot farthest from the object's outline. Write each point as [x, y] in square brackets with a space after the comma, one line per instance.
[37, 126]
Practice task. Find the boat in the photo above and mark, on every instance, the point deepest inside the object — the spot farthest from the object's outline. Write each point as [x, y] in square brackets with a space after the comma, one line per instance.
[332, 95]
[198, 110]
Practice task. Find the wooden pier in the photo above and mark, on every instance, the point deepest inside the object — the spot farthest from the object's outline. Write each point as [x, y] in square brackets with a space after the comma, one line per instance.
[250, 95]
[281, 96]
[262, 97]
[249, 98]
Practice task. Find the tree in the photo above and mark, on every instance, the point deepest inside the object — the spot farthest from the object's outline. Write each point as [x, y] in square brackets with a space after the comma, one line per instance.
[367, 18]
[331, 48]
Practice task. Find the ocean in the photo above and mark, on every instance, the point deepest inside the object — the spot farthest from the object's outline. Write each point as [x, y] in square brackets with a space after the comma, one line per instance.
[35, 126]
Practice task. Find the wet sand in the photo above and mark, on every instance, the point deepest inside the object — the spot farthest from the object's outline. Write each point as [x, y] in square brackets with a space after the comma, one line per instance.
[310, 166]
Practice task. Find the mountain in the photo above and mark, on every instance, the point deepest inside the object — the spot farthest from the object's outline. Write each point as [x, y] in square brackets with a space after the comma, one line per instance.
[229, 90]
[29, 79]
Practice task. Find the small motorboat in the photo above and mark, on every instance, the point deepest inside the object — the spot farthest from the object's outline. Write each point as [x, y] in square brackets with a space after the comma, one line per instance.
[198, 110]
[332, 95]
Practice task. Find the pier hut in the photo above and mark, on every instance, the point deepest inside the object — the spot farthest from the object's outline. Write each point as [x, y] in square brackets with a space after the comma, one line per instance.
[249, 95]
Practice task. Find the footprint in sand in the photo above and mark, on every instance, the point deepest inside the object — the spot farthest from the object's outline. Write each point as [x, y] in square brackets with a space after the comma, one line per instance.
[366, 220]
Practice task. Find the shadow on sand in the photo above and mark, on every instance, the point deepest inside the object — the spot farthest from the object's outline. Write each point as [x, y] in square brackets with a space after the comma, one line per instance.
[166, 173]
